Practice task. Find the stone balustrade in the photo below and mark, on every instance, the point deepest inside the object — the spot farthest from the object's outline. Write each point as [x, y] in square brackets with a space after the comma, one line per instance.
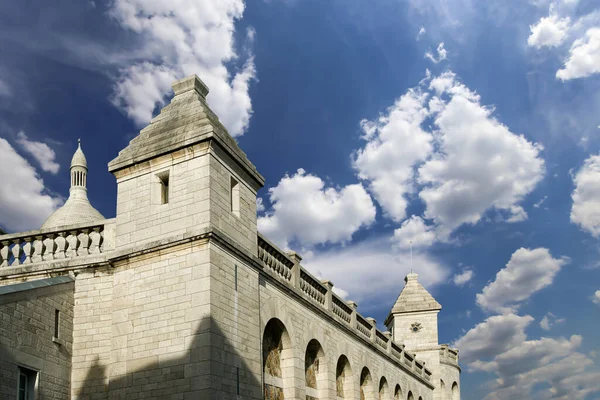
[25, 248]
[286, 268]
[448, 355]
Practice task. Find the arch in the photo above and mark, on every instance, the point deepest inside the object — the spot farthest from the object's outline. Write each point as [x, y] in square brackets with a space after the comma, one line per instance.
[398, 393]
[442, 390]
[343, 378]
[277, 360]
[315, 371]
[366, 385]
[410, 396]
[455, 392]
[420, 398]
[384, 392]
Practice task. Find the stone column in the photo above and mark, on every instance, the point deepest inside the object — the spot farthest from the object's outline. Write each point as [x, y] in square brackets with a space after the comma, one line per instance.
[328, 296]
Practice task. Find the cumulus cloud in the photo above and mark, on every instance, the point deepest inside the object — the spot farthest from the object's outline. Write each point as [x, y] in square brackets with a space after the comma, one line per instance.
[413, 232]
[527, 272]
[477, 163]
[42, 153]
[442, 54]
[550, 31]
[549, 321]
[24, 201]
[422, 31]
[500, 345]
[596, 297]
[180, 38]
[358, 268]
[586, 197]
[463, 277]
[584, 57]
[303, 209]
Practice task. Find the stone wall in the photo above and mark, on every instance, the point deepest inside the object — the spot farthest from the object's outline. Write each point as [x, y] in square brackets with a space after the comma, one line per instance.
[27, 327]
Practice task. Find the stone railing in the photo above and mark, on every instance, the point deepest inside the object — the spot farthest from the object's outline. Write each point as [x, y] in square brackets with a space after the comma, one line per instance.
[448, 355]
[26, 248]
[286, 268]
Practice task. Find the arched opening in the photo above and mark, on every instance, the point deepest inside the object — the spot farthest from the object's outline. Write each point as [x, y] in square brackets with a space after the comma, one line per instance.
[455, 392]
[277, 355]
[366, 385]
[315, 371]
[420, 398]
[410, 396]
[384, 393]
[442, 389]
[343, 378]
[398, 393]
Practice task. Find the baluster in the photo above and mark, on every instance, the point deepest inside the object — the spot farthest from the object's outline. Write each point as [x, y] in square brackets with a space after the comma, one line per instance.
[38, 249]
[17, 251]
[4, 251]
[61, 243]
[101, 239]
[27, 250]
[95, 241]
[73, 243]
[49, 247]
[84, 239]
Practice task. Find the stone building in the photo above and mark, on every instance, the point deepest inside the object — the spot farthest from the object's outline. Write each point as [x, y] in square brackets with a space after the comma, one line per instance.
[179, 296]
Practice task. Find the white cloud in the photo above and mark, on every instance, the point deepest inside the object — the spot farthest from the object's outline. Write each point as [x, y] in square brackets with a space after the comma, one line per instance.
[23, 199]
[422, 31]
[477, 163]
[442, 54]
[492, 337]
[549, 321]
[260, 207]
[480, 164]
[358, 268]
[395, 143]
[540, 202]
[303, 209]
[596, 297]
[586, 197]
[584, 57]
[180, 38]
[463, 277]
[42, 153]
[550, 31]
[499, 345]
[414, 232]
[527, 272]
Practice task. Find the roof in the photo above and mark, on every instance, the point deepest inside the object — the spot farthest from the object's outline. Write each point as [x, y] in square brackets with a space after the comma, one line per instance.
[76, 210]
[414, 297]
[78, 159]
[185, 121]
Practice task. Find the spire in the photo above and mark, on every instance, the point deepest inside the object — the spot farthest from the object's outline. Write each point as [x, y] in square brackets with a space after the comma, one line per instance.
[77, 209]
[414, 297]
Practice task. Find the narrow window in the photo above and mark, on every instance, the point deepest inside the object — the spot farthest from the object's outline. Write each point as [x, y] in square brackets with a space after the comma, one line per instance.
[56, 323]
[236, 277]
[237, 370]
[164, 187]
[235, 197]
[27, 383]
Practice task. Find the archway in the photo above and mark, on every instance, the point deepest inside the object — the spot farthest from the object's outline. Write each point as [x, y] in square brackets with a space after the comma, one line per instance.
[455, 392]
[398, 393]
[366, 385]
[315, 373]
[343, 378]
[442, 389]
[384, 393]
[410, 396]
[277, 355]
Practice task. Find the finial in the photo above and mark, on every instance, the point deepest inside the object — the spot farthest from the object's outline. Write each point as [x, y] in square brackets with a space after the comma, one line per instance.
[78, 143]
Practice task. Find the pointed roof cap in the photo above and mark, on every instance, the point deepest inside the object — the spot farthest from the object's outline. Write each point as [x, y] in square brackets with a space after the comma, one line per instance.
[78, 159]
[414, 297]
[185, 121]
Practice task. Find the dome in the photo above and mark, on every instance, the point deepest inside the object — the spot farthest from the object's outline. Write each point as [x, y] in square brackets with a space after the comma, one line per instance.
[77, 209]
[78, 159]
[74, 211]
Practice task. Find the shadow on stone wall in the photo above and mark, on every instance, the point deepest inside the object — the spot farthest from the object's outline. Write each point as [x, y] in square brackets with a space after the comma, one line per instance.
[209, 370]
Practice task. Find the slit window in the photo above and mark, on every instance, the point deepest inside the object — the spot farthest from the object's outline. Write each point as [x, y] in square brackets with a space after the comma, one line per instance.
[163, 179]
[27, 384]
[235, 197]
[56, 323]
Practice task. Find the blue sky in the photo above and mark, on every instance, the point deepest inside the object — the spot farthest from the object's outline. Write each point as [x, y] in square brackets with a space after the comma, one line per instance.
[468, 128]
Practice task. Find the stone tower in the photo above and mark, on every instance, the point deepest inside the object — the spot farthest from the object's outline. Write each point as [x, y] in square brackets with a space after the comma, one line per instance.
[413, 322]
